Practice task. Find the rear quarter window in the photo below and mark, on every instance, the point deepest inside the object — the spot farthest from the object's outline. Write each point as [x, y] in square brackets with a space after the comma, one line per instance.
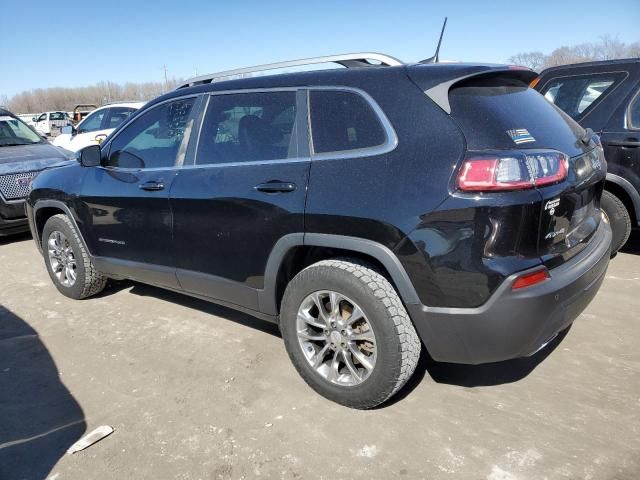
[343, 121]
[576, 95]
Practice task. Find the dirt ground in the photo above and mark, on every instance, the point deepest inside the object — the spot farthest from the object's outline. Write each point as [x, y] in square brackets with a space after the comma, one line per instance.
[196, 391]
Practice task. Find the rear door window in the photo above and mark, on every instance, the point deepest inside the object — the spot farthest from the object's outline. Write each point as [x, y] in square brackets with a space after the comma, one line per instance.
[343, 121]
[577, 94]
[248, 127]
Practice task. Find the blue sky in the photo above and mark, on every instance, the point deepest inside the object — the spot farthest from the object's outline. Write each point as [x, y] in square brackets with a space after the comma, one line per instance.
[75, 43]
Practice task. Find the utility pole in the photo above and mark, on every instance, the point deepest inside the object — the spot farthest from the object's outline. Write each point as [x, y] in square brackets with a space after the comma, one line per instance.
[164, 86]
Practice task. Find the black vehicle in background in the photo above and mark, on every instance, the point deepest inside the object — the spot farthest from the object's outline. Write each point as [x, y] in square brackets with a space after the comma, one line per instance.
[363, 209]
[23, 153]
[605, 96]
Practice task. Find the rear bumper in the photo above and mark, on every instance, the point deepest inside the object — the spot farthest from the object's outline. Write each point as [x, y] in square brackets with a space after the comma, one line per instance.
[518, 323]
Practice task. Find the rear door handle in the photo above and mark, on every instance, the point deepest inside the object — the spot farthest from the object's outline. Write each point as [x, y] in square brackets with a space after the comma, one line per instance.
[151, 186]
[276, 186]
[629, 143]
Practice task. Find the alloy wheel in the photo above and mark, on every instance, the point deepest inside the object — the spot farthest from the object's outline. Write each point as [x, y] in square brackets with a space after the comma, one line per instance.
[62, 259]
[336, 338]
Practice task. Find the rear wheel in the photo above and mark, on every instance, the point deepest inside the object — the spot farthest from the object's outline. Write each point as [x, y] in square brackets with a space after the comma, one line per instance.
[348, 334]
[68, 262]
[618, 217]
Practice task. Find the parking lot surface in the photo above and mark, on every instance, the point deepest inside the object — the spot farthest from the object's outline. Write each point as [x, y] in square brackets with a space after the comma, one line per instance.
[197, 391]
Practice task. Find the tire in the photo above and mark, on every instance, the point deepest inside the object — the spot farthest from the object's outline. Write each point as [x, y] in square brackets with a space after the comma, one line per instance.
[385, 367]
[619, 219]
[60, 236]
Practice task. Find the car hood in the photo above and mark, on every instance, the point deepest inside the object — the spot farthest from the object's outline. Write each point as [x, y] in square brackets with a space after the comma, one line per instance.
[29, 158]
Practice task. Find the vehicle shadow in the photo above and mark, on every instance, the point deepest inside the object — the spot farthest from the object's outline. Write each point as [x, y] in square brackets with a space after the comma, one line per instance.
[39, 418]
[633, 244]
[489, 374]
[18, 237]
[454, 374]
[194, 303]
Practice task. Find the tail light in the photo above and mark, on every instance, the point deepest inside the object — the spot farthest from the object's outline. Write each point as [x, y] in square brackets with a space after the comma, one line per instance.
[530, 279]
[512, 170]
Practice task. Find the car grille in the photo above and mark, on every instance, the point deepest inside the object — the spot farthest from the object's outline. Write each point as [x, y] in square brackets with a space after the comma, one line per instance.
[16, 185]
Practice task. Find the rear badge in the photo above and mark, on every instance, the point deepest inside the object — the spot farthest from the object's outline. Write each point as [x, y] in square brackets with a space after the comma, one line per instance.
[520, 135]
[551, 205]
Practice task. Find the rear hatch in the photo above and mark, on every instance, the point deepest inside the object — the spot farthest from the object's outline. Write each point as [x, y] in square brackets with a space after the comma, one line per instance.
[501, 117]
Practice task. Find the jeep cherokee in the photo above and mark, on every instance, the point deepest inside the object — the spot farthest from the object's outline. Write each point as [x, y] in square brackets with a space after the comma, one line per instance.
[369, 210]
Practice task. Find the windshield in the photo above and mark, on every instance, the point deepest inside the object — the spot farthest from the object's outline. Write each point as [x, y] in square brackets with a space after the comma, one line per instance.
[15, 132]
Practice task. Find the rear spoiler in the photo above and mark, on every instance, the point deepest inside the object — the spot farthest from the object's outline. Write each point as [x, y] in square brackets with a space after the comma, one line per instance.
[436, 80]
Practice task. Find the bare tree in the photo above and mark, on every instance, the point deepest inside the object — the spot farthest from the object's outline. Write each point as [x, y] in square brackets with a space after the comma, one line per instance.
[532, 60]
[607, 48]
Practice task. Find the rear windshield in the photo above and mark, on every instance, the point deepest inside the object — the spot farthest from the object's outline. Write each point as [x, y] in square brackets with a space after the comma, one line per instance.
[504, 114]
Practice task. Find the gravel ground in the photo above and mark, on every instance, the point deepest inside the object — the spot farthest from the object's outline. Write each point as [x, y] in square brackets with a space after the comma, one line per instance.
[196, 391]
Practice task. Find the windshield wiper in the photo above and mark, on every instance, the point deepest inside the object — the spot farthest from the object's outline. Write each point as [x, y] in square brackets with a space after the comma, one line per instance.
[15, 144]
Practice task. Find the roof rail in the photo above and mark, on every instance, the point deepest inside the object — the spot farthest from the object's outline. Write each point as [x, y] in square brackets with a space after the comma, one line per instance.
[348, 60]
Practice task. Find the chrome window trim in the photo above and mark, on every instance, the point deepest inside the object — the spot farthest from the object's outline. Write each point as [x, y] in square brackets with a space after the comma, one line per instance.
[389, 145]
[627, 114]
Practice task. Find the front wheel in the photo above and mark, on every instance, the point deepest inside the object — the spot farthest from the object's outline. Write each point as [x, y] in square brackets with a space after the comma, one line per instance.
[68, 262]
[348, 333]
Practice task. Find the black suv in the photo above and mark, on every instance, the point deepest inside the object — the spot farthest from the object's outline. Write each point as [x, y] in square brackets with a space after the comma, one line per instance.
[364, 209]
[605, 96]
[23, 153]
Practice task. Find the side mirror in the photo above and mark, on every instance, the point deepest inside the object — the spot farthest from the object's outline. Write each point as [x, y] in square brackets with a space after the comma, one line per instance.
[68, 130]
[90, 156]
[34, 119]
[100, 138]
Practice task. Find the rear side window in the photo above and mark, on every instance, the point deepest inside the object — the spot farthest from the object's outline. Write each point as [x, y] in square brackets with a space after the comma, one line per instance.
[575, 95]
[343, 121]
[248, 127]
[156, 139]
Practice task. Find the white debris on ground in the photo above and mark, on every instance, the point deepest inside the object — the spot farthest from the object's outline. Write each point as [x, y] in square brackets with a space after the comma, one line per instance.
[91, 438]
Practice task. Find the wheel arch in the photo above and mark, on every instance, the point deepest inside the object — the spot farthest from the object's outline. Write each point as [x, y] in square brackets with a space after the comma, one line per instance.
[43, 210]
[628, 195]
[294, 252]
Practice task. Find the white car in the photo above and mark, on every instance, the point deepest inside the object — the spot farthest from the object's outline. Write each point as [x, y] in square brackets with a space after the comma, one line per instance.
[96, 126]
[49, 123]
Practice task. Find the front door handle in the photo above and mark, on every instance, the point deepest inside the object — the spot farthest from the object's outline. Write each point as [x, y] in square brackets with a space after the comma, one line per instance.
[276, 186]
[151, 186]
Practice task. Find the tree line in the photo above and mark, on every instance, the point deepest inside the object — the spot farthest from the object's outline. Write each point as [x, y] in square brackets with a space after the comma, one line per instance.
[66, 98]
[607, 48]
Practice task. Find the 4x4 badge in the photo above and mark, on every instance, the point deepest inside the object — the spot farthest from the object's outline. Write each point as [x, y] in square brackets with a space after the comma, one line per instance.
[520, 135]
[551, 205]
